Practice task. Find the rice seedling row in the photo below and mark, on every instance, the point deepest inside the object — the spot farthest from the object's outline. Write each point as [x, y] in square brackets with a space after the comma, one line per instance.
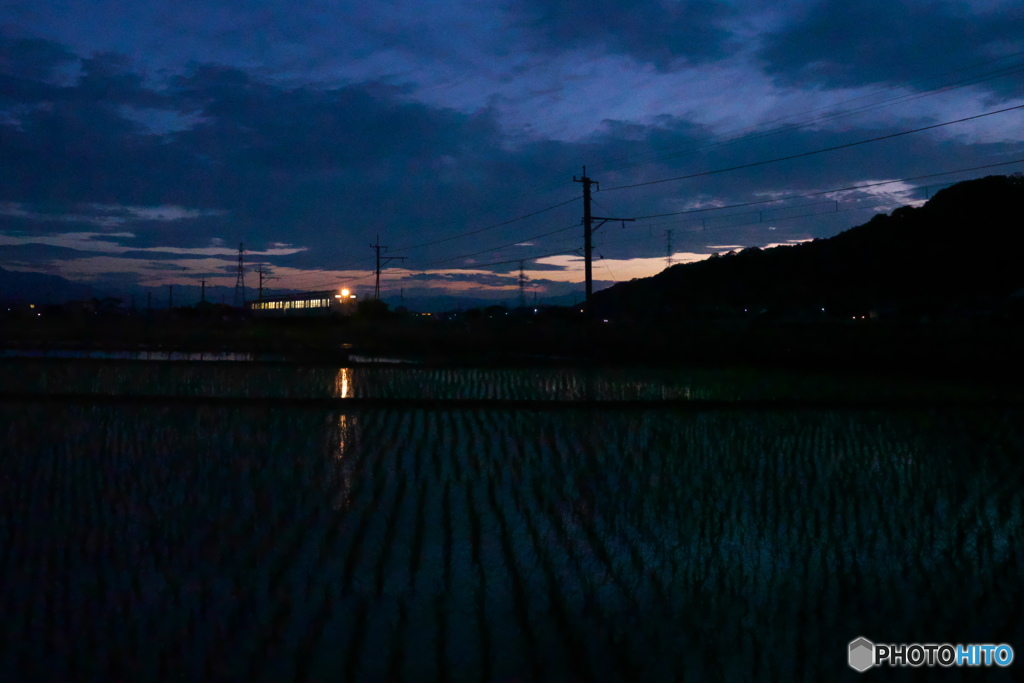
[203, 542]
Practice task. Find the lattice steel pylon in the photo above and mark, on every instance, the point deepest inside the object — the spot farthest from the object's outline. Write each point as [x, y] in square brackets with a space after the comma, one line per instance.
[240, 278]
[522, 285]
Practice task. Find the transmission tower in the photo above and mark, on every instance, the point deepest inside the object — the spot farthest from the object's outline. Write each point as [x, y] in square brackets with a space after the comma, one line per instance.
[240, 278]
[522, 285]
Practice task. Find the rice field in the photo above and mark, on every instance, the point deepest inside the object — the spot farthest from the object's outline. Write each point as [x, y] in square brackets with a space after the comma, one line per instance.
[240, 379]
[190, 541]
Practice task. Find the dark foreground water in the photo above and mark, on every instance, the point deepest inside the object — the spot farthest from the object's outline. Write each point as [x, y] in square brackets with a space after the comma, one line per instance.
[196, 541]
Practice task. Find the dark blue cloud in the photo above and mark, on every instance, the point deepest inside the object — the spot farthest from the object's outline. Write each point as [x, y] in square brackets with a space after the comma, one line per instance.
[663, 33]
[305, 128]
[329, 168]
[33, 59]
[839, 43]
[39, 253]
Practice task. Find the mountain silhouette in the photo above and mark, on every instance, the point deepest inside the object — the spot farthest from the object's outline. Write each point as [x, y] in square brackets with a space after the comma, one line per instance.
[19, 286]
[962, 246]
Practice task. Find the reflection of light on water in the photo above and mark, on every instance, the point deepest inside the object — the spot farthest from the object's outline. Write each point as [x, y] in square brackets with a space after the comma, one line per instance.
[342, 432]
[343, 385]
[346, 425]
[138, 355]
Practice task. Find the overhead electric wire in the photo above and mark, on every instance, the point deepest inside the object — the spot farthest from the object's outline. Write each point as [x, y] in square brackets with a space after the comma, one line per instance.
[561, 252]
[821, 192]
[1017, 68]
[971, 80]
[568, 250]
[489, 227]
[730, 206]
[741, 135]
[503, 246]
[813, 152]
[331, 283]
[743, 225]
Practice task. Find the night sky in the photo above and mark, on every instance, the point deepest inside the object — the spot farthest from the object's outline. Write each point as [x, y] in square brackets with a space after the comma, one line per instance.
[141, 141]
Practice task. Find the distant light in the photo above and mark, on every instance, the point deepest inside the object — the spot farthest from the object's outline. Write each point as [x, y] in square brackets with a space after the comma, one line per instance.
[823, 310]
[352, 296]
[606, 321]
[337, 296]
[31, 305]
[345, 292]
[535, 310]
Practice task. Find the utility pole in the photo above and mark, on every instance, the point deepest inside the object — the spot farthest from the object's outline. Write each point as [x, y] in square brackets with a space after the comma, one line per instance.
[522, 285]
[588, 231]
[262, 279]
[240, 278]
[380, 263]
[668, 248]
[202, 295]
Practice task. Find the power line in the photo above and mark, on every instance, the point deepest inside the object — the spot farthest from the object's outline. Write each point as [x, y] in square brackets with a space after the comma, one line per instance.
[569, 250]
[381, 262]
[867, 107]
[974, 80]
[561, 252]
[489, 227]
[480, 210]
[812, 153]
[877, 204]
[332, 283]
[503, 246]
[758, 222]
[717, 208]
[300, 276]
[840, 189]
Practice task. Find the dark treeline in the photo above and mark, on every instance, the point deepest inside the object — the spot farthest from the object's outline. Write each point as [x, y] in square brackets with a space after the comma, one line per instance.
[961, 250]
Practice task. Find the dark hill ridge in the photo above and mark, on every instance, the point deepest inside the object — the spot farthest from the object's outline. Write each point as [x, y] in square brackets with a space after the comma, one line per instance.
[965, 244]
[42, 288]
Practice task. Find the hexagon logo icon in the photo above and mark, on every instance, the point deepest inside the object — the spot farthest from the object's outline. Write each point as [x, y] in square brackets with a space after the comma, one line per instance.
[862, 654]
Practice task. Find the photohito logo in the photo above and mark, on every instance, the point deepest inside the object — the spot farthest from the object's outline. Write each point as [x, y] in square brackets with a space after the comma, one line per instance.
[863, 654]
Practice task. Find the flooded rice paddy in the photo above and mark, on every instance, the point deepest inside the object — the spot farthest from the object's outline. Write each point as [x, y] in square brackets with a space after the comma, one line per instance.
[196, 541]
